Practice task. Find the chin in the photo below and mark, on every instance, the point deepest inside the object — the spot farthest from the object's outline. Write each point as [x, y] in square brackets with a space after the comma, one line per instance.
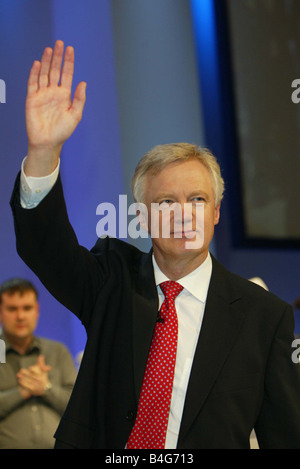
[193, 241]
[185, 246]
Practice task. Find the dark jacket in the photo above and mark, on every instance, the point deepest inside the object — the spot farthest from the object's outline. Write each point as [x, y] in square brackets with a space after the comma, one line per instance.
[242, 375]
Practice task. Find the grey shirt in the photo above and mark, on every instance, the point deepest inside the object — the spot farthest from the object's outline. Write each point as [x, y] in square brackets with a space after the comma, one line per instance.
[32, 423]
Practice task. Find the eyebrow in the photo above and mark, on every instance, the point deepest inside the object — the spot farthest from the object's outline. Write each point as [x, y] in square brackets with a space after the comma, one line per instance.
[27, 305]
[169, 195]
[199, 192]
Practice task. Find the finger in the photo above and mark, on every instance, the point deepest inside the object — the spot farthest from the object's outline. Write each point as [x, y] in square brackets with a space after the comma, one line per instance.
[41, 361]
[45, 67]
[42, 365]
[68, 68]
[35, 370]
[29, 379]
[33, 80]
[25, 381]
[26, 384]
[56, 62]
[79, 100]
[23, 372]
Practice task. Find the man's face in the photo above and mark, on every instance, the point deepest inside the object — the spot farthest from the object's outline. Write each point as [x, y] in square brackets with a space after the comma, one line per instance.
[19, 314]
[183, 183]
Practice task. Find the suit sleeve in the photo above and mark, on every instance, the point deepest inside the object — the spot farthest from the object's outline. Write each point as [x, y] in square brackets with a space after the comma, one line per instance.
[46, 242]
[278, 424]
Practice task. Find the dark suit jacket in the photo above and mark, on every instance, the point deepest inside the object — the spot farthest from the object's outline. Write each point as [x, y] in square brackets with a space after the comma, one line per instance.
[242, 375]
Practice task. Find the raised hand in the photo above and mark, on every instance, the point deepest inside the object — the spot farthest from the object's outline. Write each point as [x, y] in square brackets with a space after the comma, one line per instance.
[51, 114]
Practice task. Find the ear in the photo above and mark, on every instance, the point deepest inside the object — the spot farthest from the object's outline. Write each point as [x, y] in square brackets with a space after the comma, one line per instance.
[142, 214]
[217, 214]
[1, 313]
[38, 309]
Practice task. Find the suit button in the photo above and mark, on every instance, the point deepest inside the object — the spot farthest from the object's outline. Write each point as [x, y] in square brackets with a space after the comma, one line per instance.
[130, 415]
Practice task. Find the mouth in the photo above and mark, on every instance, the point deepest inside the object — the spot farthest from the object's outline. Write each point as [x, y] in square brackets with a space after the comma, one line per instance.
[184, 234]
[193, 239]
[20, 326]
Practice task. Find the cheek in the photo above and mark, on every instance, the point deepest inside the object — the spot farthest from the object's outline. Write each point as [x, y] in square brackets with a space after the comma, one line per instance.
[209, 223]
[160, 224]
[35, 318]
[8, 322]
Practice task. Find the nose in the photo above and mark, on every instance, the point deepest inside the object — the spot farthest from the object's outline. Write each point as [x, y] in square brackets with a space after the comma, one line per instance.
[20, 314]
[192, 216]
[184, 213]
[187, 212]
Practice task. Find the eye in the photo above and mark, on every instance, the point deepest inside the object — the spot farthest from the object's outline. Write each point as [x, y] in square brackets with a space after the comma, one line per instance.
[198, 199]
[165, 203]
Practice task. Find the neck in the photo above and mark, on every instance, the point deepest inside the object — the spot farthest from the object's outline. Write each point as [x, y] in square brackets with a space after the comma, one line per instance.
[175, 268]
[21, 345]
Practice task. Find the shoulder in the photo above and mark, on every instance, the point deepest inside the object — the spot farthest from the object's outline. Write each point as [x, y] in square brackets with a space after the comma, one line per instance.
[113, 248]
[50, 346]
[238, 287]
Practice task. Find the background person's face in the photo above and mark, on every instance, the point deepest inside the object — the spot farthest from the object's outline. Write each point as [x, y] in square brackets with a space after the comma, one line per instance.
[19, 314]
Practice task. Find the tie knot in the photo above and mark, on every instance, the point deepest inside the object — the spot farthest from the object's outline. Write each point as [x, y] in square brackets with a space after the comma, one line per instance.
[171, 289]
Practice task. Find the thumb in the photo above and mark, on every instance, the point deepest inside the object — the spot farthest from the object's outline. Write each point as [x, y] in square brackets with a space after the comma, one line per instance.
[41, 363]
[79, 99]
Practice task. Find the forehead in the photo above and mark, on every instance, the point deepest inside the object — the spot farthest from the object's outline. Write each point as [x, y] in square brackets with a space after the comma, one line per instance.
[190, 174]
[27, 296]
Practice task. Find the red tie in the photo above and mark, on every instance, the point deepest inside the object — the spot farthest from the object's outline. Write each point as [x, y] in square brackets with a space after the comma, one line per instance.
[150, 428]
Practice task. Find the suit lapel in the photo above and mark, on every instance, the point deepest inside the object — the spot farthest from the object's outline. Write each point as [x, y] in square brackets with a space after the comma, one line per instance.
[145, 308]
[220, 327]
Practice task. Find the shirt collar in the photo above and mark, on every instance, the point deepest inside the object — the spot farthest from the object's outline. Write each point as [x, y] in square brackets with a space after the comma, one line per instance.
[35, 344]
[196, 282]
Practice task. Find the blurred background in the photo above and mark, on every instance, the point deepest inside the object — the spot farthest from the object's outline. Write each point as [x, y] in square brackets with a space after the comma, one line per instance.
[217, 73]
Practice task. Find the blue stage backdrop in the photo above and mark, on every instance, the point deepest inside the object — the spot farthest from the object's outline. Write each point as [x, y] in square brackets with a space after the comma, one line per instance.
[26, 28]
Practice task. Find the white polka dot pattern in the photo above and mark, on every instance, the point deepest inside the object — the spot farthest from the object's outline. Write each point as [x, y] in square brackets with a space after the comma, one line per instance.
[150, 428]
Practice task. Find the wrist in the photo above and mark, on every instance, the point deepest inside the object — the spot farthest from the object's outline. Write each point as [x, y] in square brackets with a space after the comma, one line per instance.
[41, 161]
[25, 393]
[48, 387]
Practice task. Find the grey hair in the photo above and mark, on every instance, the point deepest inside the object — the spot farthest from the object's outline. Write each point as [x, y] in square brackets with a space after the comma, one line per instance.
[160, 156]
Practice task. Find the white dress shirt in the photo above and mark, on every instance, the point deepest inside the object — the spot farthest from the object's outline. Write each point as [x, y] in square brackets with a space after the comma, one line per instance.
[34, 189]
[190, 304]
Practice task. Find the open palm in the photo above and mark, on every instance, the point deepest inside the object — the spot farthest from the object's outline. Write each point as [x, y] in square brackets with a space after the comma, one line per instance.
[51, 114]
